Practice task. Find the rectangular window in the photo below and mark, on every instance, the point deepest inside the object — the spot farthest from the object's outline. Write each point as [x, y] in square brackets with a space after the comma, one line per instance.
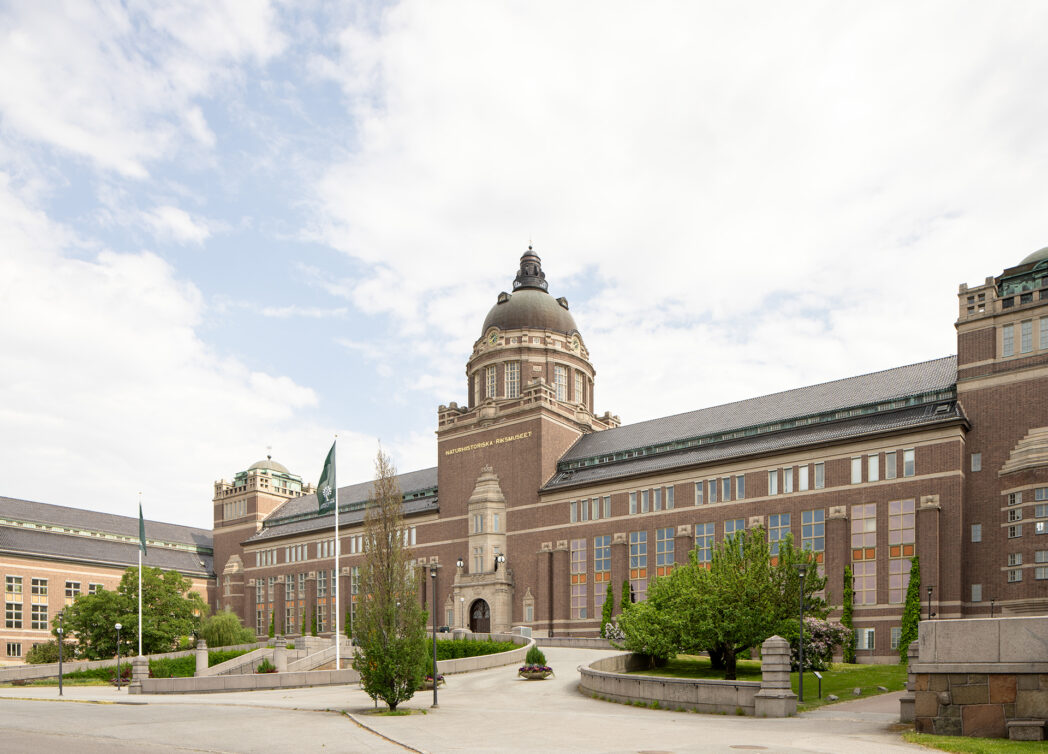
[94, 588]
[1026, 336]
[1015, 575]
[478, 560]
[740, 487]
[813, 531]
[976, 532]
[663, 551]
[1040, 556]
[643, 501]
[820, 475]
[1040, 573]
[13, 586]
[601, 571]
[579, 397]
[1015, 498]
[976, 461]
[733, 527]
[1008, 340]
[1015, 531]
[864, 531]
[607, 506]
[704, 535]
[638, 565]
[712, 489]
[699, 489]
[560, 381]
[72, 591]
[865, 573]
[38, 587]
[891, 465]
[873, 467]
[633, 503]
[578, 579]
[976, 592]
[787, 480]
[13, 615]
[898, 579]
[1044, 331]
[478, 523]
[595, 508]
[476, 390]
[778, 528]
[1015, 558]
[864, 638]
[900, 528]
[669, 498]
[513, 379]
[1040, 511]
[494, 523]
[656, 499]
[529, 613]
[14, 649]
[1015, 514]
[909, 462]
[802, 478]
[573, 511]
[856, 471]
[773, 482]
[725, 489]
[39, 616]
[489, 381]
[896, 636]
[302, 586]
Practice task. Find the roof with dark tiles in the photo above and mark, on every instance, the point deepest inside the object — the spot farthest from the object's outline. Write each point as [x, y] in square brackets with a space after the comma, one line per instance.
[876, 387]
[800, 437]
[74, 548]
[78, 518]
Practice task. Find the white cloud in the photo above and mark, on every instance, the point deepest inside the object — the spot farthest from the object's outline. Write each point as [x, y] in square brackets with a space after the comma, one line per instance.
[114, 82]
[107, 388]
[167, 222]
[701, 173]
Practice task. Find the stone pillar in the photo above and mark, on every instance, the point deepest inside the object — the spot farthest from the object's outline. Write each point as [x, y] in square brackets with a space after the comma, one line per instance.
[620, 566]
[343, 598]
[139, 670]
[279, 602]
[280, 654]
[837, 555]
[683, 544]
[906, 701]
[201, 657]
[561, 587]
[928, 548]
[311, 601]
[544, 589]
[775, 699]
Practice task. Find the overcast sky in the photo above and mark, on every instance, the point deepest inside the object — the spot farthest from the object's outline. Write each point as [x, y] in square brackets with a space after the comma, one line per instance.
[228, 226]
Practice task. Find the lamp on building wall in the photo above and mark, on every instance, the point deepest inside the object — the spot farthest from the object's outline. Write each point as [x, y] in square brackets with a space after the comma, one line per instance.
[992, 602]
[433, 574]
[930, 613]
[460, 563]
[61, 631]
[802, 571]
[118, 627]
[499, 560]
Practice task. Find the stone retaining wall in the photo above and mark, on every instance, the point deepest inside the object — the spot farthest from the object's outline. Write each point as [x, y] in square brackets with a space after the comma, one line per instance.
[574, 642]
[972, 677]
[246, 682]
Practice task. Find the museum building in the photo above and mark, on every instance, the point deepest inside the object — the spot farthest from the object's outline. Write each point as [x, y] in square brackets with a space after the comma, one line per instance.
[537, 503]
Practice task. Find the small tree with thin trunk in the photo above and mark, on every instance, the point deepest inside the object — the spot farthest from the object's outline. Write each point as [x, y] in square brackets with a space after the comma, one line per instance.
[846, 613]
[911, 614]
[390, 629]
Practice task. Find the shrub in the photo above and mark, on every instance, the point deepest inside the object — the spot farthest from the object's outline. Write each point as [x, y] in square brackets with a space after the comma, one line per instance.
[847, 612]
[46, 652]
[606, 609]
[534, 656]
[266, 667]
[821, 639]
[224, 629]
[453, 649]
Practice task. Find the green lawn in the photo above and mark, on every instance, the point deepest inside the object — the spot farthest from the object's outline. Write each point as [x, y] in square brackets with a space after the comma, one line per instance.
[976, 745]
[839, 680]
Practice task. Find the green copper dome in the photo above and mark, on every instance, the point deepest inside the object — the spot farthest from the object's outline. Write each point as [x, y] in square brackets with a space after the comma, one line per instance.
[1037, 256]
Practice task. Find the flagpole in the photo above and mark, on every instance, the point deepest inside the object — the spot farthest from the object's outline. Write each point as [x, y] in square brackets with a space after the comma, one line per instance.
[140, 545]
[334, 582]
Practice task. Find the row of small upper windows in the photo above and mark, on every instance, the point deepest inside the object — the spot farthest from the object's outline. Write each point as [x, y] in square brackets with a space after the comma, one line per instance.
[486, 383]
[234, 509]
[1026, 336]
[325, 548]
[891, 466]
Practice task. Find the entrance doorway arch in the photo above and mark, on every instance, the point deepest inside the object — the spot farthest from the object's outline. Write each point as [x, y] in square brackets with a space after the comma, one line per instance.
[479, 617]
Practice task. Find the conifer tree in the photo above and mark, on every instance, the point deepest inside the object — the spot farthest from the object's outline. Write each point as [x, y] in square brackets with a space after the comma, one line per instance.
[607, 608]
[272, 626]
[627, 596]
[846, 614]
[911, 614]
[390, 630]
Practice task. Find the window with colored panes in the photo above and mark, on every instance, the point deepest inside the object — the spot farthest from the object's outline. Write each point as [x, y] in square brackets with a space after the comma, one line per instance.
[639, 565]
[704, 538]
[663, 551]
[601, 570]
[813, 532]
[864, 552]
[778, 529]
[578, 578]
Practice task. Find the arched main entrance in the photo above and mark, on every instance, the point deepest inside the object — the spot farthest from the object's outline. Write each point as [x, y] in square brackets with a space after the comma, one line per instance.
[479, 617]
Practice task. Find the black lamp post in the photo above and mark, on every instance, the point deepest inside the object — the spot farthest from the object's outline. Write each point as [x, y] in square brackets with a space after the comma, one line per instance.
[930, 613]
[61, 631]
[433, 574]
[802, 571]
[118, 627]
[992, 601]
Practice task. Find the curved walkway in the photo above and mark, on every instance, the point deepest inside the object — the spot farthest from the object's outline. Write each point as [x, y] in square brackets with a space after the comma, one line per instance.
[484, 711]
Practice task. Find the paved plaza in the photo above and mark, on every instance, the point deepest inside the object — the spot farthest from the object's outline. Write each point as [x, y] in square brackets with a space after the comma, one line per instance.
[485, 711]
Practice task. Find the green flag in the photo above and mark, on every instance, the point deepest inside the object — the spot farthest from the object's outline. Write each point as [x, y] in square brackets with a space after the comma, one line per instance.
[326, 486]
[141, 530]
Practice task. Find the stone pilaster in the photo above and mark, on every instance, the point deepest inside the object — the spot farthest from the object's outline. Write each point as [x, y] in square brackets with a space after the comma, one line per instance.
[280, 654]
[683, 544]
[775, 699]
[620, 566]
[279, 602]
[201, 657]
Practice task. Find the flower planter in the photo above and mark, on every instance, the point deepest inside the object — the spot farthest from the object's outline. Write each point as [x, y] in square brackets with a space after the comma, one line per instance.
[427, 684]
[535, 672]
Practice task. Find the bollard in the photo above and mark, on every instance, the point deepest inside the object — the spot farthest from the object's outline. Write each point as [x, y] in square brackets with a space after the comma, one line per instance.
[280, 654]
[907, 700]
[775, 699]
[139, 671]
[201, 657]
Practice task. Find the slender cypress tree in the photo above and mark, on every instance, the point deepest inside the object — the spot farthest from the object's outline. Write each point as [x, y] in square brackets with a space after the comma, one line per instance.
[846, 614]
[607, 608]
[911, 614]
[272, 626]
[626, 599]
